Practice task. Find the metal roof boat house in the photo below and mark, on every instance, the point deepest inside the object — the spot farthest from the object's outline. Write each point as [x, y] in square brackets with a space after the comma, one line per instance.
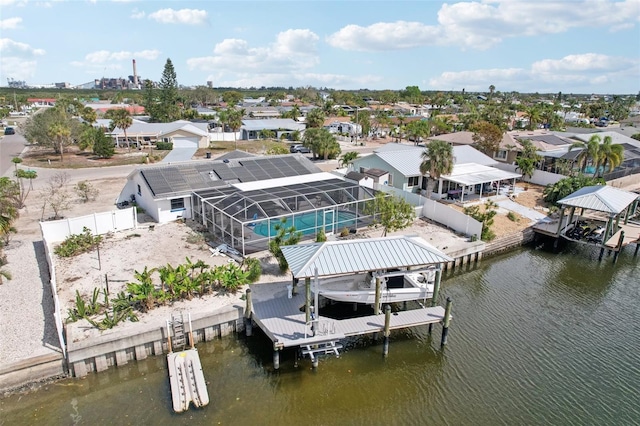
[291, 320]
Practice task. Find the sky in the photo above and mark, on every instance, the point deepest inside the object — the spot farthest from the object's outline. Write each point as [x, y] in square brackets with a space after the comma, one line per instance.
[572, 46]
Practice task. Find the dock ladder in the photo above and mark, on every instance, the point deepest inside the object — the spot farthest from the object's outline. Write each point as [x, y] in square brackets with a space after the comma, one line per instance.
[328, 346]
[177, 326]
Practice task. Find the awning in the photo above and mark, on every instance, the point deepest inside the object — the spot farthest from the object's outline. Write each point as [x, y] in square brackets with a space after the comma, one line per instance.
[474, 174]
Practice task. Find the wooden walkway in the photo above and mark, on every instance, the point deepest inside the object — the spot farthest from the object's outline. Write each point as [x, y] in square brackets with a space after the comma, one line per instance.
[631, 236]
[283, 319]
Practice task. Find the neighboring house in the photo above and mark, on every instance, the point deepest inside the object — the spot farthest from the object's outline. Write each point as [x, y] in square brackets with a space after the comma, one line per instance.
[507, 152]
[102, 108]
[369, 177]
[471, 169]
[165, 191]
[251, 129]
[41, 102]
[342, 127]
[181, 132]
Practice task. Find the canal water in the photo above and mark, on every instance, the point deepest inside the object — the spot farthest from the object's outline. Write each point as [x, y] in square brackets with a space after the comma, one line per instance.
[537, 338]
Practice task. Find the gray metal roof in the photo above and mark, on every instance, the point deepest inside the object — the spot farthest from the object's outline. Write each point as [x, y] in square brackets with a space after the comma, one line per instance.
[363, 255]
[407, 159]
[601, 198]
[190, 176]
[272, 124]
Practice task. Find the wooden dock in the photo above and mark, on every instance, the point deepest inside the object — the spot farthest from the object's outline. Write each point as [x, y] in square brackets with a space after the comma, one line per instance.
[283, 319]
[631, 236]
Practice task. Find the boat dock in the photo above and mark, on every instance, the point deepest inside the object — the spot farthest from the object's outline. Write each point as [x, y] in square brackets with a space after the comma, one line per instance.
[283, 320]
[185, 370]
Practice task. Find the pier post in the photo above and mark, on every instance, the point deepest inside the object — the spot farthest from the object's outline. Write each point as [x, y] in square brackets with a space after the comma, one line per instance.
[248, 323]
[436, 291]
[276, 355]
[376, 308]
[618, 247]
[387, 324]
[635, 253]
[294, 290]
[445, 322]
[296, 358]
[307, 299]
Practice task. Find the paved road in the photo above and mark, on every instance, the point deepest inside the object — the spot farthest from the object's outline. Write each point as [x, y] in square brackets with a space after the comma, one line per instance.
[10, 146]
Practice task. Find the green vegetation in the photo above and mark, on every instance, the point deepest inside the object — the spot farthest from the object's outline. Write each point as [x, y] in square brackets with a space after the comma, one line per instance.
[321, 236]
[284, 237]
[567, 186]
[76, 244]
[86, 191]
[184, 281]
[390, 212]
[485, 216]
[321, 143]
[437, 160]
[513, 217]
[164, 146]
[527, 158]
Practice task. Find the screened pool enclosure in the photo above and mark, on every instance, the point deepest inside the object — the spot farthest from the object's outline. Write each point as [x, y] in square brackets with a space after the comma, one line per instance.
[245, 215]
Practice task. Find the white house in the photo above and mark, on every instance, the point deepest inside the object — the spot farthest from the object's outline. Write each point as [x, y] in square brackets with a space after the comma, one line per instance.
[181, 132]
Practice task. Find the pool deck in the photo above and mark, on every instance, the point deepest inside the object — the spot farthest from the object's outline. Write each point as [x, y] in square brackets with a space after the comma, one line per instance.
[283, 319]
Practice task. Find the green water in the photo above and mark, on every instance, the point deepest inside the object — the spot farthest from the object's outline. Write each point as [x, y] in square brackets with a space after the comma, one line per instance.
[537, 338]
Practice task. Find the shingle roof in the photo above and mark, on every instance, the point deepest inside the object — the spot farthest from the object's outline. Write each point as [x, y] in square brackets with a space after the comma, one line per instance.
[601, 198]
[351, 256]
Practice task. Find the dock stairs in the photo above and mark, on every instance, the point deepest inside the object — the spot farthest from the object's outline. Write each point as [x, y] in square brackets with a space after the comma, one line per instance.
[179, 336]
[324, 342]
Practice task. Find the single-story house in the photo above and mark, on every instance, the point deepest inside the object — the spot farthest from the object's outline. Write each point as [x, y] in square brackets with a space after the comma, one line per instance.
[179, 132]
[165, 191]
[280, 126]
[472, 170]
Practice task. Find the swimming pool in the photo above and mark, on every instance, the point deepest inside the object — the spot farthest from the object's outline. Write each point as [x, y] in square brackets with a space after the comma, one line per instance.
[306, 222]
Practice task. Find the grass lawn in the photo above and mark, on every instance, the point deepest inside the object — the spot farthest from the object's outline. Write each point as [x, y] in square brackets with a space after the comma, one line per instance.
[253, 146]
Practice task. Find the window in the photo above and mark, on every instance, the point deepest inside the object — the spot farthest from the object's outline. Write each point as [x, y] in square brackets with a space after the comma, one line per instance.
[177, 204]
[501, 155]
[413, 181]
[139, 190]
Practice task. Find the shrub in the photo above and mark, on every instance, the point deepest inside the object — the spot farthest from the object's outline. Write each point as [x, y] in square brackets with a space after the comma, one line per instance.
[344, 232]
[252, 266]
[513, 217]
[164, 146]
[86, 191]
[76, 244]
[321, 236]
[486, 217]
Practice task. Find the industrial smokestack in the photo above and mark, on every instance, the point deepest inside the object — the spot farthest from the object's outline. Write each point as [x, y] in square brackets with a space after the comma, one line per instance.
[135, 74]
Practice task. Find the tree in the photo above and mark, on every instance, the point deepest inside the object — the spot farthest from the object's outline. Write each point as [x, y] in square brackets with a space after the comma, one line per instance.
[89, 115]
[437, 160]
[527, 159]
[167, 109]
[102, 144]
[390, 212]
[234, 117]
[348, 158]
[56, 196]
[486, 137]
[485, 217]
[149, 101]
[121, 119]
[590, 151]
[321, 143]
[9, 206]
[53, 127]
[86, 191]
[232, 98]
[315, 118]
[418, 130]
[609, 154]
[285, 236]
[567, 186]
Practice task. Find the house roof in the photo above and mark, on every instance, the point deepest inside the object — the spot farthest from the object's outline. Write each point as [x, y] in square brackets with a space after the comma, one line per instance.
[473, 174]
[233, 155]
[191, 176]
[272, 124]
[601, 198]
[357, 176]
[158, 129]
[363, 255]
[407, 159]
[457, 138]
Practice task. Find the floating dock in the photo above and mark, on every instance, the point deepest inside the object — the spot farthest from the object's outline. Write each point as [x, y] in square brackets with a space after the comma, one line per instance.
[185, 370]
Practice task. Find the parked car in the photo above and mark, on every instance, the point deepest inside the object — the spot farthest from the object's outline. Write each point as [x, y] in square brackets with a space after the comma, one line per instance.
[9, 131]
[299, 149]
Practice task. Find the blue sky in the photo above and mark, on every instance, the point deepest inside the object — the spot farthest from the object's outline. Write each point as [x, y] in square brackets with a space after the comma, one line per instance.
[528, 46]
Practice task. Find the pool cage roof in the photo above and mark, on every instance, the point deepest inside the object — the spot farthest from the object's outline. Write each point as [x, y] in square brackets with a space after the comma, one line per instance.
[261, 203]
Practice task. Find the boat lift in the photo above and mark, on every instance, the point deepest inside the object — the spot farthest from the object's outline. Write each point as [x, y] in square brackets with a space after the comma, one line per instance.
[185, 370]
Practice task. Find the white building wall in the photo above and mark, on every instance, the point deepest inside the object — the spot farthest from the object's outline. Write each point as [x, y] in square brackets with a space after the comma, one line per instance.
[539, 177]
[374, 162]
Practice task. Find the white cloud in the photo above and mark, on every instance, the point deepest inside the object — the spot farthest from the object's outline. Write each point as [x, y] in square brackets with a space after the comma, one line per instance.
[10, 23]
[573, 72]
[182, 16]
[10, 47]
[17, 68]
[105, 56]
[482, 24]
[137, 14]
[336, 81]
[292, 51]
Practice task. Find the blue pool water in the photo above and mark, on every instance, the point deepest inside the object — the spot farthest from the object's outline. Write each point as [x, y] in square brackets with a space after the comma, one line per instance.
[306, 222]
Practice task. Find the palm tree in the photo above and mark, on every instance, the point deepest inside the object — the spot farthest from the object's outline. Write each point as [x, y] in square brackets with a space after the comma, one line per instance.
[315, 118]
[235, 122]
[60, 134]
[590, 150]
[348, 158]
[610, 154]
[437, 161]
[122, 119]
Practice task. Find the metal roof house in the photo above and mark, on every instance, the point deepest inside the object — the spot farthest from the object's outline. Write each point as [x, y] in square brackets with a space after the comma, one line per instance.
[181, 132]
[471, 167]
[243, 200]
[280, 126]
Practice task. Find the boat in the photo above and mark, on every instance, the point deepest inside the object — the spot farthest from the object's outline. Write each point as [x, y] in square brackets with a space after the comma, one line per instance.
[400, 286]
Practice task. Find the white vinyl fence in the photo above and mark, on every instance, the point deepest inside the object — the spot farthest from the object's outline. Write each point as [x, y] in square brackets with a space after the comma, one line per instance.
[451, 218]
[539, 177]
[59, 230]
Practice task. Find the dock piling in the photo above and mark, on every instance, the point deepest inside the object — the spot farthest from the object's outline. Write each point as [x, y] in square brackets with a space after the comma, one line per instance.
[387, 324]
[436, 293]
[276, 355]
[248, 323]
[376, 308]
[619, 247]
[445, 322]
[307, 299]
